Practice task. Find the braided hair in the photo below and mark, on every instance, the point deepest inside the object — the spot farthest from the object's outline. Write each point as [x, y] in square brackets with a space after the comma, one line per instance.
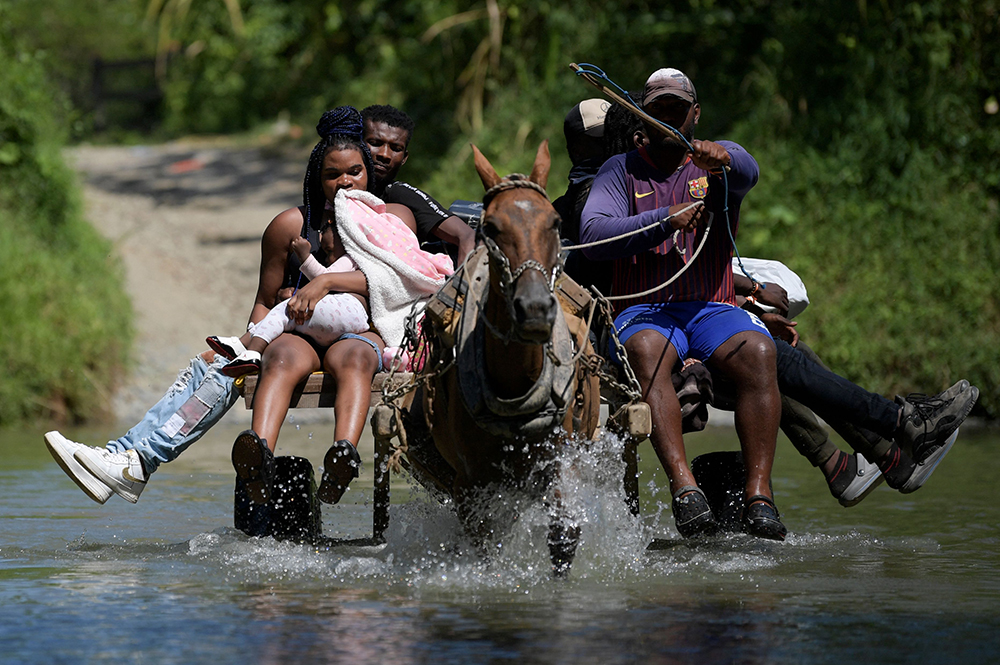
[338, 129]
[619, 127]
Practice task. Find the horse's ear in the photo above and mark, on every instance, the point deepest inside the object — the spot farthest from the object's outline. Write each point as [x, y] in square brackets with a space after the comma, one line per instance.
[486, 171]
[540, 171]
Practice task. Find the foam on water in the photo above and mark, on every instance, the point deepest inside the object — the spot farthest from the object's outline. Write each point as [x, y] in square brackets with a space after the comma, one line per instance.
[427, 545]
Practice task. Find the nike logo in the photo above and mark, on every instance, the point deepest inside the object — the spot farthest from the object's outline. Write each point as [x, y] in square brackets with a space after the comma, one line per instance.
[639, 196]
[129, 477]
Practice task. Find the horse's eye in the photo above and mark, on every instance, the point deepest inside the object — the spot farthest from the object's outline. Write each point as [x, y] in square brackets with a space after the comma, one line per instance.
[490, 229]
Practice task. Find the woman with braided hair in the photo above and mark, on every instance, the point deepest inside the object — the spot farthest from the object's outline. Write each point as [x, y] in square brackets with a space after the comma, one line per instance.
[202, 393]
[339, 163]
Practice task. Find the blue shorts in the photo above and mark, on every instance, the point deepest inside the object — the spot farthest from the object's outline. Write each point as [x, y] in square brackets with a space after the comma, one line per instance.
[367, 341]
[696, 329]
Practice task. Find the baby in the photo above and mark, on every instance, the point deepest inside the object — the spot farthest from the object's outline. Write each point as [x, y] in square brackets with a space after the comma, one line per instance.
[335, 315]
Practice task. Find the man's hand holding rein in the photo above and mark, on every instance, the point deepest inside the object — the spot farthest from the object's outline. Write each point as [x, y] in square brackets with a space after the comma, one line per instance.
[708, 155]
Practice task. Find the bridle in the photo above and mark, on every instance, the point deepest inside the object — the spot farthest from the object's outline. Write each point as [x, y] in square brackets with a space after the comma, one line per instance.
[508, 278]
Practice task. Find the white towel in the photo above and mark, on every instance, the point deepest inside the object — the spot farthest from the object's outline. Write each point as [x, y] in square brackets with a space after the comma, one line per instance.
[398, 272]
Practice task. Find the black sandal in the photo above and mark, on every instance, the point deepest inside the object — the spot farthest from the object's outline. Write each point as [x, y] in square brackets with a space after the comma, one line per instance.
[224, 346]
[761, 518]
[254, 464]
[692, 514]
[341, 465]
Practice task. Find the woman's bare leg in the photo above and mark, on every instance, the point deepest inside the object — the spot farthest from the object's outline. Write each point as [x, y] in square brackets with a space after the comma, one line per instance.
[287, 361]
[353, 364]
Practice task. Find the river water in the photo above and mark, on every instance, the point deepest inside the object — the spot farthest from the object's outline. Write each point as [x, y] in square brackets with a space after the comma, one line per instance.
[912, 578]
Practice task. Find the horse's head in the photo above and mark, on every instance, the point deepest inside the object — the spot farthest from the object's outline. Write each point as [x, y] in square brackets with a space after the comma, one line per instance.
[521, 231]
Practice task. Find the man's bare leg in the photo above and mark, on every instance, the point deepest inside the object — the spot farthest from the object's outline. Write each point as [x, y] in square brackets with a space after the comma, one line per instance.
[748, 360]
[653, 358]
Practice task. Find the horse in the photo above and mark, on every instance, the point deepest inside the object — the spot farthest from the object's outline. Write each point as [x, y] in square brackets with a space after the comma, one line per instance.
[508, 383]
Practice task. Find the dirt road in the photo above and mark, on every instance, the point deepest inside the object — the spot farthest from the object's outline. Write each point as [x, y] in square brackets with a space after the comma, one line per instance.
[186, 218]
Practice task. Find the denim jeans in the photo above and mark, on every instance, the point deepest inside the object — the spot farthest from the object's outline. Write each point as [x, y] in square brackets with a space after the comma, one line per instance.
[196, 401]
[834, 398]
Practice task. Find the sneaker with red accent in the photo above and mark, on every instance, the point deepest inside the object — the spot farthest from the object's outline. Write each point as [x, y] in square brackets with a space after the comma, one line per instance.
[247, 362]
[853, 479]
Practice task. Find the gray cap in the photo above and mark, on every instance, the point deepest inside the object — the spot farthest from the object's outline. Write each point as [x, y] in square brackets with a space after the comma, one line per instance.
[668, 82]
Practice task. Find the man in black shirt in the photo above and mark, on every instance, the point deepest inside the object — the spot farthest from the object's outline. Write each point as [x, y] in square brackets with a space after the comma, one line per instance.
[387, 132]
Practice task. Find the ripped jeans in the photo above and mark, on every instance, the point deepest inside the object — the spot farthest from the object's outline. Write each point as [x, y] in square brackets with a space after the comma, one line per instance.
[196, 401]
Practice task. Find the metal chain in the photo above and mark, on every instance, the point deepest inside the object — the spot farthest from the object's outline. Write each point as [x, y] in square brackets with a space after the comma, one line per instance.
[633, 390]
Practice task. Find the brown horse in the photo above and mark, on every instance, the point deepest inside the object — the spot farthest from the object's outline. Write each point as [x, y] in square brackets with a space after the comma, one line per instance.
[506, 388]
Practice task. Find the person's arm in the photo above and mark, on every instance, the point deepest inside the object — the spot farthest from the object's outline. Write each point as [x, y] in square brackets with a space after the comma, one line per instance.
[274, 246]
[302, 305]
[457, 232]
[780, 327]
[743, 170]
[312, 268]
[765, 293]
[606, 215]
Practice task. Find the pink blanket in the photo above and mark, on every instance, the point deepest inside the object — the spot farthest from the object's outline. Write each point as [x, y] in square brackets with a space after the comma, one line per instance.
[398, 272]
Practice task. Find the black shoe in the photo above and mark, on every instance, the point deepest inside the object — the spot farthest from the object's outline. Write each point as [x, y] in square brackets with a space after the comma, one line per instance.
[928, 422]
[341, 465]
[692, 514]
[254, 464]
[247, 362]
[761, 519]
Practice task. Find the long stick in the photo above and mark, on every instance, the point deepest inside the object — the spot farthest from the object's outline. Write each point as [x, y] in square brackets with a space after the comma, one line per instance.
[628, 104]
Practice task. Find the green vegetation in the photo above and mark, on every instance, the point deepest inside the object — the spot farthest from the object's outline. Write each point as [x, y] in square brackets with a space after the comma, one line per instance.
[876, 126]
[66, 323]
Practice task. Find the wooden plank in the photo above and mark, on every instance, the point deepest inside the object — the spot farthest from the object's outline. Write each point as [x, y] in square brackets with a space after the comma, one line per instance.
[318, 389]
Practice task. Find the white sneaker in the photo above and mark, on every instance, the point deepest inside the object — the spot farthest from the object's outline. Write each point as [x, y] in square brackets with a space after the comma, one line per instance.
[62, 450]
[122, 472]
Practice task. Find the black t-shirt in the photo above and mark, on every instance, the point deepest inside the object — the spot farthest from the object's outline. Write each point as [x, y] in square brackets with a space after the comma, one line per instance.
[426, 211]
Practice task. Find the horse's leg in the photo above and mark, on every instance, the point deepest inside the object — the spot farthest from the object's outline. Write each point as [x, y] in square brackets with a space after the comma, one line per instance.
[564, 534]
[564, 527]
[477, 523]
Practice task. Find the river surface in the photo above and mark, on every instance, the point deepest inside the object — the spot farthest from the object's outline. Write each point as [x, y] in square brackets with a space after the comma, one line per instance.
[898, 579]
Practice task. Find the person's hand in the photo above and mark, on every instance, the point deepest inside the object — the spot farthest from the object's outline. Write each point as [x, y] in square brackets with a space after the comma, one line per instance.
[301, 247]
[708, 155]
[780, 327]
[302, 305]
[774, 296]
[688, 220]
[284, 294]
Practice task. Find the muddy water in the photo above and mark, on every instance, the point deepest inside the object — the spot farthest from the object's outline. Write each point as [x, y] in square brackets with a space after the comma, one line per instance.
[898, 578]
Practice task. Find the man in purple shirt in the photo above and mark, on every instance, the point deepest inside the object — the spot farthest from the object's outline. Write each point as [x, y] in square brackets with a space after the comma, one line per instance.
[677, 188]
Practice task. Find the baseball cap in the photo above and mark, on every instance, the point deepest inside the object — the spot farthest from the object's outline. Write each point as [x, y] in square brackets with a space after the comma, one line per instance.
[587, 118]
[669, 82]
